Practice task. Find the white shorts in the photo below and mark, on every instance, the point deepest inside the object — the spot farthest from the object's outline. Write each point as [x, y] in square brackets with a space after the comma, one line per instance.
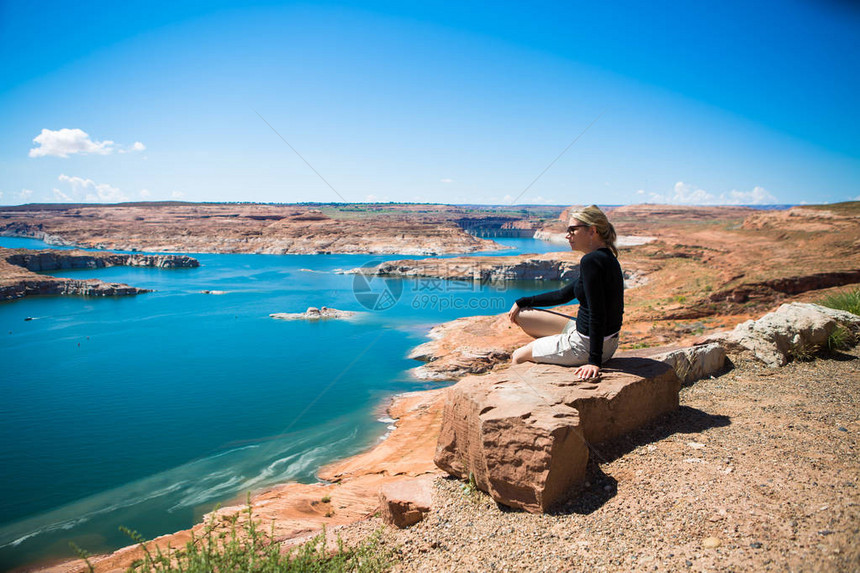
[570, 348]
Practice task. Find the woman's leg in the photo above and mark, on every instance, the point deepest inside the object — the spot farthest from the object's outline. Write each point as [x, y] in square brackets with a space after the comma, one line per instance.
[523, 354]
[537, 323]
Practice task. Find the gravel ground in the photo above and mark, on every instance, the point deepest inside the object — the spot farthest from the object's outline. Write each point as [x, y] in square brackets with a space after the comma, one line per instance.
[757, 470]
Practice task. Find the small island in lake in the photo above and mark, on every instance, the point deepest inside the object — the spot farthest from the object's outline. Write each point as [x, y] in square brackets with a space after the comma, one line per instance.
[314, 313]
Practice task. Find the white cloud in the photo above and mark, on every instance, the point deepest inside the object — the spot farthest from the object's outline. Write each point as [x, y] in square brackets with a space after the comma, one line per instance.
[61, 196]
[686, 194]
[177, 195]
[640, 191]
[137, 146]
[539, 200]
[145, 193]
[758, 196]
[68, 141]
[65, 142]
[522, 200]
[446, 180]
[88, 191]
[374, 199]
[25, 194]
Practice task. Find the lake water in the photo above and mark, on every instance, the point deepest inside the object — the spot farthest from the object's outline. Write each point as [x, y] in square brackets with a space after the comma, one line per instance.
[147, 411]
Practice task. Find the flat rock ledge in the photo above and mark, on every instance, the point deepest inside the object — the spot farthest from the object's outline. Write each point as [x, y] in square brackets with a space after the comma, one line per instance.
[522, 434]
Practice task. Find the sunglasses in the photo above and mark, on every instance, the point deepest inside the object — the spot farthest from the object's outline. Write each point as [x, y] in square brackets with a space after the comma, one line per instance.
[573, 228]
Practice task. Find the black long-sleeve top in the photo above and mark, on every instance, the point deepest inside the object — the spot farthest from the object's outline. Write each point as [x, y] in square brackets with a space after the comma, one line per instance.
[600, 291]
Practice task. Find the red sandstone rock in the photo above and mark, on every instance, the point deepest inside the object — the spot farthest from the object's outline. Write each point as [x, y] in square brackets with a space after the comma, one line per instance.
[406, 502]
[522, 434]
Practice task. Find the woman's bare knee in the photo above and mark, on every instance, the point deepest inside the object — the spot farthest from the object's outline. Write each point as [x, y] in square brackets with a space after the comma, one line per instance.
[523, 354]
[537, 323]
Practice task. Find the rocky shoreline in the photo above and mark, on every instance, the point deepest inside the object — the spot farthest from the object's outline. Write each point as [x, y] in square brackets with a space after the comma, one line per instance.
[689, 262]
[348, 497]
[18, 268]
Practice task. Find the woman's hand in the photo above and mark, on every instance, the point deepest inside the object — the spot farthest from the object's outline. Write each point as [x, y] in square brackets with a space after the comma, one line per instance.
[587, 371]
[514, 313]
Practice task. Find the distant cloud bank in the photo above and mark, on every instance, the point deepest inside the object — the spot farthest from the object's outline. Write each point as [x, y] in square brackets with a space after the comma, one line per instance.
[686, 194]
[65, 142]
[88, 191]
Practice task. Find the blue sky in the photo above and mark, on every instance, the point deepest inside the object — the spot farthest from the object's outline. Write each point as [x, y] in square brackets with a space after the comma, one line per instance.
[711, 102]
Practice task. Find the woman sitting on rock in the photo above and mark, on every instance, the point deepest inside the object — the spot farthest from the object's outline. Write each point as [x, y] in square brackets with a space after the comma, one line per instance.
[591, 338]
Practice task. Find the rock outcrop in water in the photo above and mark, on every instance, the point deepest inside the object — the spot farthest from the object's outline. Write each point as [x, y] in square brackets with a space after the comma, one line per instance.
[551, 267]
[562, 266]
[18, 268]
[50, 260]
[314, 313]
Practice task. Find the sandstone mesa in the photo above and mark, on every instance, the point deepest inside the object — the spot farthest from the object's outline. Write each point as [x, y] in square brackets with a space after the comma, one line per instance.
[254, 228]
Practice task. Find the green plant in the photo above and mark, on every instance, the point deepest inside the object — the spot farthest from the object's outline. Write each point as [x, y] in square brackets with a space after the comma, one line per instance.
[326, 499]
[840, 339]
[803, 352]
[471, 486]
[848, 300]
[249, 549]
[85, 555]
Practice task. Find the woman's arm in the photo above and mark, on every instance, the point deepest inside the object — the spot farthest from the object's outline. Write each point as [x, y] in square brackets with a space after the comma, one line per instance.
[594, 284]
[553, 298]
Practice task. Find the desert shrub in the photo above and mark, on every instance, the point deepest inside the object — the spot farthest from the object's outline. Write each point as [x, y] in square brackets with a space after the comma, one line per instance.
[848, 300]
[840, 339]
[248, 548]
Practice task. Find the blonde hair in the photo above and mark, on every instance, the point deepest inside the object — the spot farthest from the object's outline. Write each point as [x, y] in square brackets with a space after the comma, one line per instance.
[594, 217]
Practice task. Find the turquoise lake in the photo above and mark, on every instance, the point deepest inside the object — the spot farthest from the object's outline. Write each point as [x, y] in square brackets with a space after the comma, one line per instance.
[147, 411]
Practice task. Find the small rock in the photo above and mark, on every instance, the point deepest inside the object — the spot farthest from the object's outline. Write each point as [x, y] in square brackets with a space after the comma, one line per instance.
[840, 428]
[404, 503]
[825, 532]
[711, 542]
[755, 545]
